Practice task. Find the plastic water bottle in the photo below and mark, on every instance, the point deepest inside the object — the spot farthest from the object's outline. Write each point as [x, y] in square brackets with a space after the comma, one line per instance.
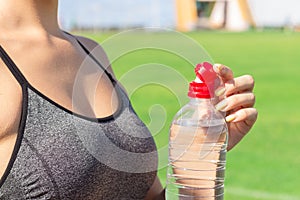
[197, 143]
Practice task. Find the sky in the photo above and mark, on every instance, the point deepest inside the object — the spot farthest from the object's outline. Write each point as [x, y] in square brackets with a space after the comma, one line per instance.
[275, 12]
[131, 13]
[124, 13]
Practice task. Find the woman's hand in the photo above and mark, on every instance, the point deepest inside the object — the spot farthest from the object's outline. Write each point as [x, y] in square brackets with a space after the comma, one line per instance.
[238, 104]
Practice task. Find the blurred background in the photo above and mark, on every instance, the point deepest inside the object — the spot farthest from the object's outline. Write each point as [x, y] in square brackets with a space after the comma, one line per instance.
[183, 15]
[257, 37]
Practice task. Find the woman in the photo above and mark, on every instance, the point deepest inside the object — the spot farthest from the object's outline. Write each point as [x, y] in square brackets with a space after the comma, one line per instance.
[47, 143]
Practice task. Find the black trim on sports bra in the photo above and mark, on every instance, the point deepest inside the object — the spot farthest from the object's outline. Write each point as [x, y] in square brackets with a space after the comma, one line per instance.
[23, 82]
[19, 139]
[111, 78]
[12, 67]
[92, 119]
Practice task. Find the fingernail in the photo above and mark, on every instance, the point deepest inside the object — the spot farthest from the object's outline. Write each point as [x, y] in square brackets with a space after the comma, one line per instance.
[220, 91]
[217, 67]
[230, 118]
[221, 105]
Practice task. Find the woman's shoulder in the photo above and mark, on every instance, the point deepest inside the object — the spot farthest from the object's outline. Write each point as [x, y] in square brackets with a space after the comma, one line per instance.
[96, 50]
[99, 53]
[89, 43]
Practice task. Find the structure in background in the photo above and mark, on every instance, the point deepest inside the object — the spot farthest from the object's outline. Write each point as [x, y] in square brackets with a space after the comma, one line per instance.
[186, 15]
[233, 15]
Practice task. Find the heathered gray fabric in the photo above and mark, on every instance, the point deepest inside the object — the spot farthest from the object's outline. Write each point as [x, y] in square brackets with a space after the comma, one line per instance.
[65, 156]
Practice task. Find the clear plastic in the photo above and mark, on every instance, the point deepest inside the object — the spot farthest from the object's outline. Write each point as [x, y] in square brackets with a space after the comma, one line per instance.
[197, 153]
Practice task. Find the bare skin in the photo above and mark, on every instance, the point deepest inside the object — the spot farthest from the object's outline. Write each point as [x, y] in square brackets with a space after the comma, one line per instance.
[50, 60]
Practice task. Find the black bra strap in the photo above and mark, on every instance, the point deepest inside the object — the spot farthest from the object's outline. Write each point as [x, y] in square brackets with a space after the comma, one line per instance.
[111, 78]
[12, 66]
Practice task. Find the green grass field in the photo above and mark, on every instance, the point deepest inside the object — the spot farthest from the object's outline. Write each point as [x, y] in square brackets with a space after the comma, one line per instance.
[266, 164]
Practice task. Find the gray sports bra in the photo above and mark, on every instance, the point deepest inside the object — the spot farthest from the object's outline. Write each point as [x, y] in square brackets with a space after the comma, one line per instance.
[62, 155]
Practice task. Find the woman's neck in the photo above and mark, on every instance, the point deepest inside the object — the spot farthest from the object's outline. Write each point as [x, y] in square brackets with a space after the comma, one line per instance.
[28, 17]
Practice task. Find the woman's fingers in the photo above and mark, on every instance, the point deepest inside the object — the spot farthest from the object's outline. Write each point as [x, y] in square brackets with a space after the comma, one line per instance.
[238, 101]
[223, 71]
[248, 115]
[234, 85]
[239, 84]
[233, 102]
[240, 124]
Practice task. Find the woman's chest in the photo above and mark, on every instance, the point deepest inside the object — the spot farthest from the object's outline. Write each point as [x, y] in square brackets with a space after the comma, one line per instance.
[10, 104]
[66, 156]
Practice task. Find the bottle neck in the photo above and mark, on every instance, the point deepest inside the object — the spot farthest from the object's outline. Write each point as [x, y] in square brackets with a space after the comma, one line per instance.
[200, 100]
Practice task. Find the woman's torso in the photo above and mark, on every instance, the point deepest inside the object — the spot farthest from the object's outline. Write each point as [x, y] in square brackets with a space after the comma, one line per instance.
[60, 155]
